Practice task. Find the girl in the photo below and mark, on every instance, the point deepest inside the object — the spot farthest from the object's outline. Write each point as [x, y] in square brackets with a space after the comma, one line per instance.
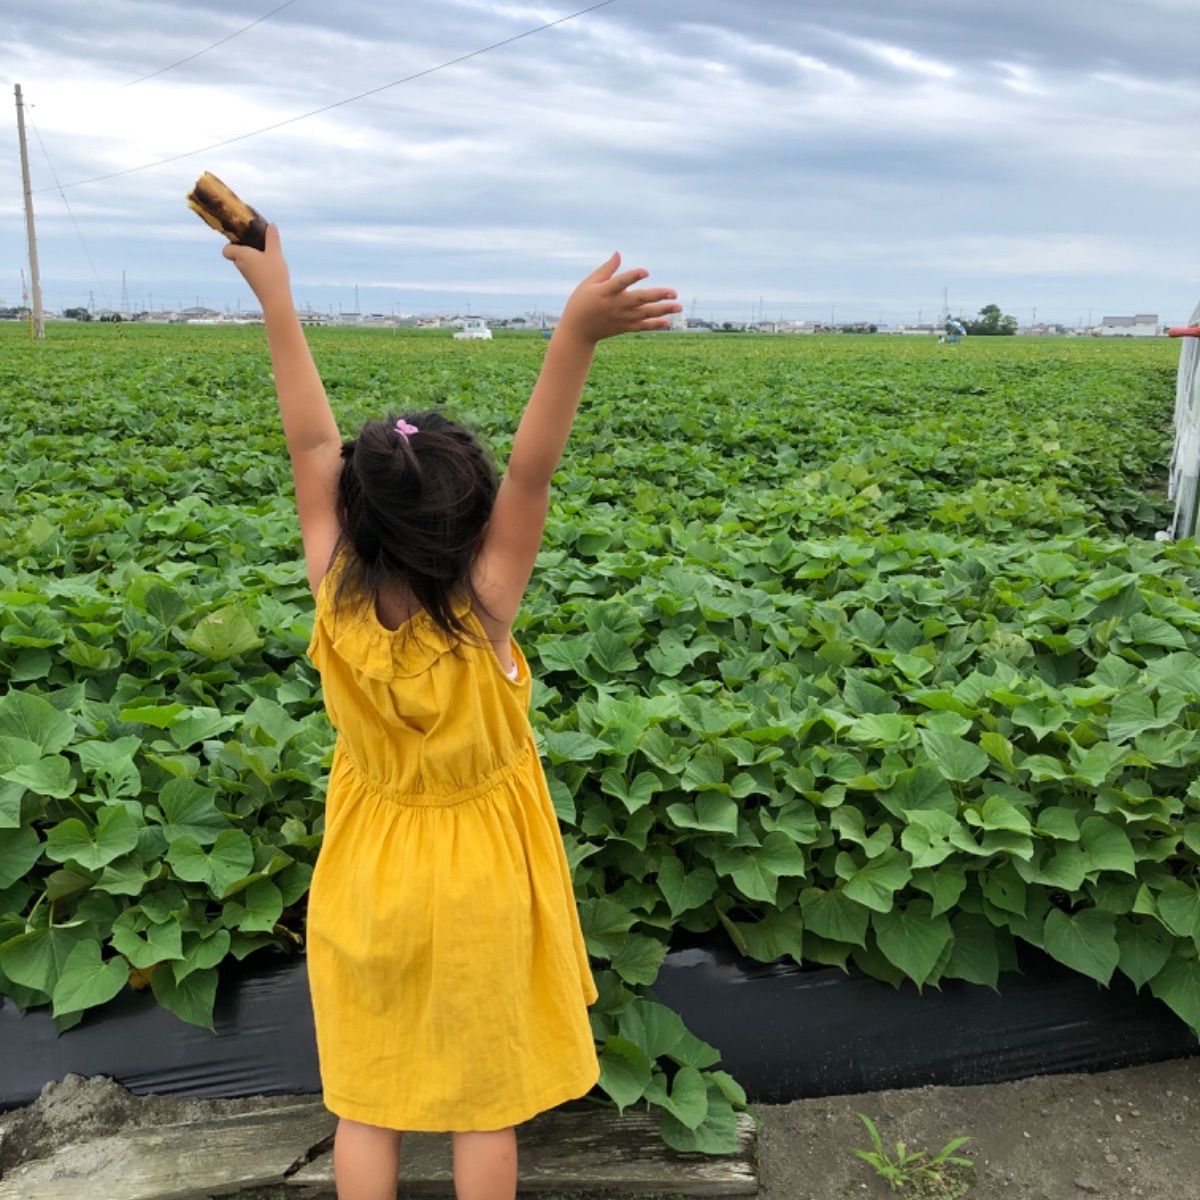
[446, 964]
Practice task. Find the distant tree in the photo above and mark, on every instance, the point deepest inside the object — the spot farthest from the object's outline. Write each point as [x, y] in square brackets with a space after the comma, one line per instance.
[77, 314]
[992, 323]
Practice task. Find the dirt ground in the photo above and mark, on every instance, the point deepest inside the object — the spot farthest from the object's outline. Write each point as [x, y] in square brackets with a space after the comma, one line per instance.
[1126, 1133]
[1115, 1134]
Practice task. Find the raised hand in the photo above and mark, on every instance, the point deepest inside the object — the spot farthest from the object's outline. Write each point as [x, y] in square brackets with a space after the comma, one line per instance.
[266, 271]
[603, 306]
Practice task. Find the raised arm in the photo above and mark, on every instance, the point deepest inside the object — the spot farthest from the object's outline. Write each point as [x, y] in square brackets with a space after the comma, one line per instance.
[601, 306]
[313, 440]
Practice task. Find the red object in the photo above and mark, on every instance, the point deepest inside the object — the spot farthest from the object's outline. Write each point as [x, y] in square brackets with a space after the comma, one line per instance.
[1184, 331]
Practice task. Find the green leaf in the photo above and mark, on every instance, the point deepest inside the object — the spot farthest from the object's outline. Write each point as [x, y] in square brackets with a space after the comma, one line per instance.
[158, 942]
[605, 925]
[756, 872]
[85, 981]
[32, 719]
[1135, 713]
[1041, 721]
[633, 795]
[834, 915]
[114, 834]
[565, 654]
[1085, 941]
[875, 883]
[49, 776]
[685, 890]
[716, 1134]
[264, 906]
[639, 958]
[1146, 630]
[944, 884]
[1057, 822]
[1177, 985]
[611, 652]
[926, 835]
[776, 935]
[1144, 947]
[189, 810]
[1097, 762]
[1106, 846]
[660, 1032]
[703, 772]
[231, 858]
[1179, 908]
[713, 813]
[19, 850]
[624, 1071]
[954, 757]
[226, 633]
[36, 959]
[974, 956]
[569, 745]
[192, 999]
[688, 1098]
[912, 938]
[200, 952]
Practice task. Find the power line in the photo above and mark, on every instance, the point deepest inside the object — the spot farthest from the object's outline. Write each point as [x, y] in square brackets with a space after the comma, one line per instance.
[241, 137]
[227, 38]
[86, 253]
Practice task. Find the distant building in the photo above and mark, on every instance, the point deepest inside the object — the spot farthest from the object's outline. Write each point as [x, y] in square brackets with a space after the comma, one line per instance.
[1141, 325]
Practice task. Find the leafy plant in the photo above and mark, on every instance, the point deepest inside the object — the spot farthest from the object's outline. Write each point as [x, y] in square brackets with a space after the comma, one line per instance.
[915, 1172]
[859, 652]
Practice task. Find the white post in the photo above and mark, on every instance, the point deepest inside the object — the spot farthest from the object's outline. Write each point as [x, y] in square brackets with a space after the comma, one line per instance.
[39, 322]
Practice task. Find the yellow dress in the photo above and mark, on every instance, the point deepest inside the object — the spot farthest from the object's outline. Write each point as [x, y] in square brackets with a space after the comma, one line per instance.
[446, 965]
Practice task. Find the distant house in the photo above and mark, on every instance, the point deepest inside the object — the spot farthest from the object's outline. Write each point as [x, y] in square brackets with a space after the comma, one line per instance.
[199, 316]
[1141, 325]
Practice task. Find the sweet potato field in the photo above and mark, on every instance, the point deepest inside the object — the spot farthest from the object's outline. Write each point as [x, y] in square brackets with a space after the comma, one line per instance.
[860, 649]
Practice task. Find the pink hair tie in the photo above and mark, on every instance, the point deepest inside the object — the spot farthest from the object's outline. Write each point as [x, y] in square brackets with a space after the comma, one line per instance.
[403, 427]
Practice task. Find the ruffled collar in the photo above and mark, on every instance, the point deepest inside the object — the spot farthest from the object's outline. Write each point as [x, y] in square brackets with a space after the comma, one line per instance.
[357, 636]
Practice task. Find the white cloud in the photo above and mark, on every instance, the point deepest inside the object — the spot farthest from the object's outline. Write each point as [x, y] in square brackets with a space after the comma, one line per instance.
[864, 155]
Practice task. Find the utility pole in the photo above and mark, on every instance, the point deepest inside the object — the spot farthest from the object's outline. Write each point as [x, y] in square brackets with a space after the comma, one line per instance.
[38, 328]
[124, 297]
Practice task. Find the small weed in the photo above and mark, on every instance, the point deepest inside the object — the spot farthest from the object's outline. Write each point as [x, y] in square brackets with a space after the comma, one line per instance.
[916, 1173]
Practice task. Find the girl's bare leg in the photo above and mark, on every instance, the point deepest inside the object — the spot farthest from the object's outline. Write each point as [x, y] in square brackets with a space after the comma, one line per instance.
[485, 1165]
[366, 1161]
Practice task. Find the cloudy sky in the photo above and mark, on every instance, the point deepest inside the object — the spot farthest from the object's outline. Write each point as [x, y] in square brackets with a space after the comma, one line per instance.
[804, 158]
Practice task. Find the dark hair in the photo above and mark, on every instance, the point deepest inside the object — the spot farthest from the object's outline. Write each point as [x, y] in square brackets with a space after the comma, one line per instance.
[412, 511]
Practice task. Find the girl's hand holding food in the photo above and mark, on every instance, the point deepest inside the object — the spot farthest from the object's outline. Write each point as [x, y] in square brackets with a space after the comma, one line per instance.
[602, 306]
[266, 271]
